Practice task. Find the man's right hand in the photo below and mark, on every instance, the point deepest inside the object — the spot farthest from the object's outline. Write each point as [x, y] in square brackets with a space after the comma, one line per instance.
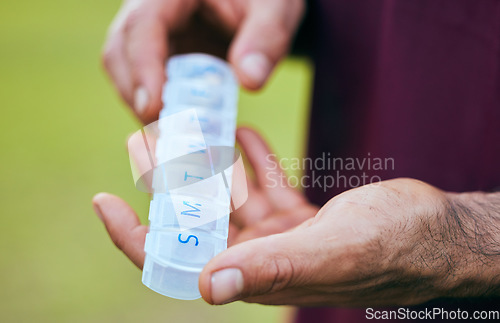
[253, 34]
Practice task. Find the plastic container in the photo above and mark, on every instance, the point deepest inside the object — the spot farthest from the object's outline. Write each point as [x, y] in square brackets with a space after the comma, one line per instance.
[189, 212]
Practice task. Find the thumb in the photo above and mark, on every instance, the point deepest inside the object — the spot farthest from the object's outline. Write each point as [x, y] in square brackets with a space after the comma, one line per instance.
[263, 39]
[257, 267]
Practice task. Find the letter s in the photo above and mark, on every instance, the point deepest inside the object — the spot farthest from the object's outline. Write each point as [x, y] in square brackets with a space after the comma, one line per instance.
[270, 158]
[369, 313]
[187, 240]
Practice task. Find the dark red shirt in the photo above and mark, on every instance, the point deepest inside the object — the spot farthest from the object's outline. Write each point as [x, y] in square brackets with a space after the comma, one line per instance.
[415, 81]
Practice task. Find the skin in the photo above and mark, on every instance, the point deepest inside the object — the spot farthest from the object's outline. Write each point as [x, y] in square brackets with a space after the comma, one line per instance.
[397, 242]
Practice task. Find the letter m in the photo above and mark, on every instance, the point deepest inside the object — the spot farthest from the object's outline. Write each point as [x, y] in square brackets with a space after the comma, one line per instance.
[192, 209]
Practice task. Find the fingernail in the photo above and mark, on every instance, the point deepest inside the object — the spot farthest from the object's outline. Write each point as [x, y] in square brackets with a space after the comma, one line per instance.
[256, 66]
[97, 211]
[141, 100]
[226, 285]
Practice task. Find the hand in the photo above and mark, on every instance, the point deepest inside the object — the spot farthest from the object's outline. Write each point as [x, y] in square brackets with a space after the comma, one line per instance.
[398, 242]
[268, 210]
[145, 32]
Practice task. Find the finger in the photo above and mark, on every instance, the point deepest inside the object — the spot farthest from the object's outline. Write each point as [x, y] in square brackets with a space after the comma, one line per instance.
[250, 180]
[263, 39]
[146, 32]
[141, 146]
[123, 226]
[115, 61]
[269, 175]
[255, 208]
[257, 267]
[259, 156]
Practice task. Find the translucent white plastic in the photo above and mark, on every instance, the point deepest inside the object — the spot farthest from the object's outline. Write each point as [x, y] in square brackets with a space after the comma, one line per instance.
[201, 93]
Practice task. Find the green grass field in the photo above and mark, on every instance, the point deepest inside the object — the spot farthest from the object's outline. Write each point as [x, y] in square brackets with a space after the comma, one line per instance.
[63, 140]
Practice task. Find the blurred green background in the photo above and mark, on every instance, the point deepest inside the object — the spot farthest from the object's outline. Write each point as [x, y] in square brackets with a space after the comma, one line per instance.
[63, 140]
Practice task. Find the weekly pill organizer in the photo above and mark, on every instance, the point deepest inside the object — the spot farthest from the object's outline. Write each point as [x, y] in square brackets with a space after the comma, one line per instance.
[189, 211]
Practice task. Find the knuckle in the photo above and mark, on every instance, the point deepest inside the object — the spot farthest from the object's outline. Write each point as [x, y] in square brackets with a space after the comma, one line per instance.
[283, 273]
[107, 55]
[138, 66]
[137, 16]
[133, 17]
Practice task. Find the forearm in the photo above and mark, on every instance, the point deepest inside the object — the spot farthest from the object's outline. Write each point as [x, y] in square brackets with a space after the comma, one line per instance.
[474, 232]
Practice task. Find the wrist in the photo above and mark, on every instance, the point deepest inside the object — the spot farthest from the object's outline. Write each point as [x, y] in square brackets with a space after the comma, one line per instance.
[472, 224]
